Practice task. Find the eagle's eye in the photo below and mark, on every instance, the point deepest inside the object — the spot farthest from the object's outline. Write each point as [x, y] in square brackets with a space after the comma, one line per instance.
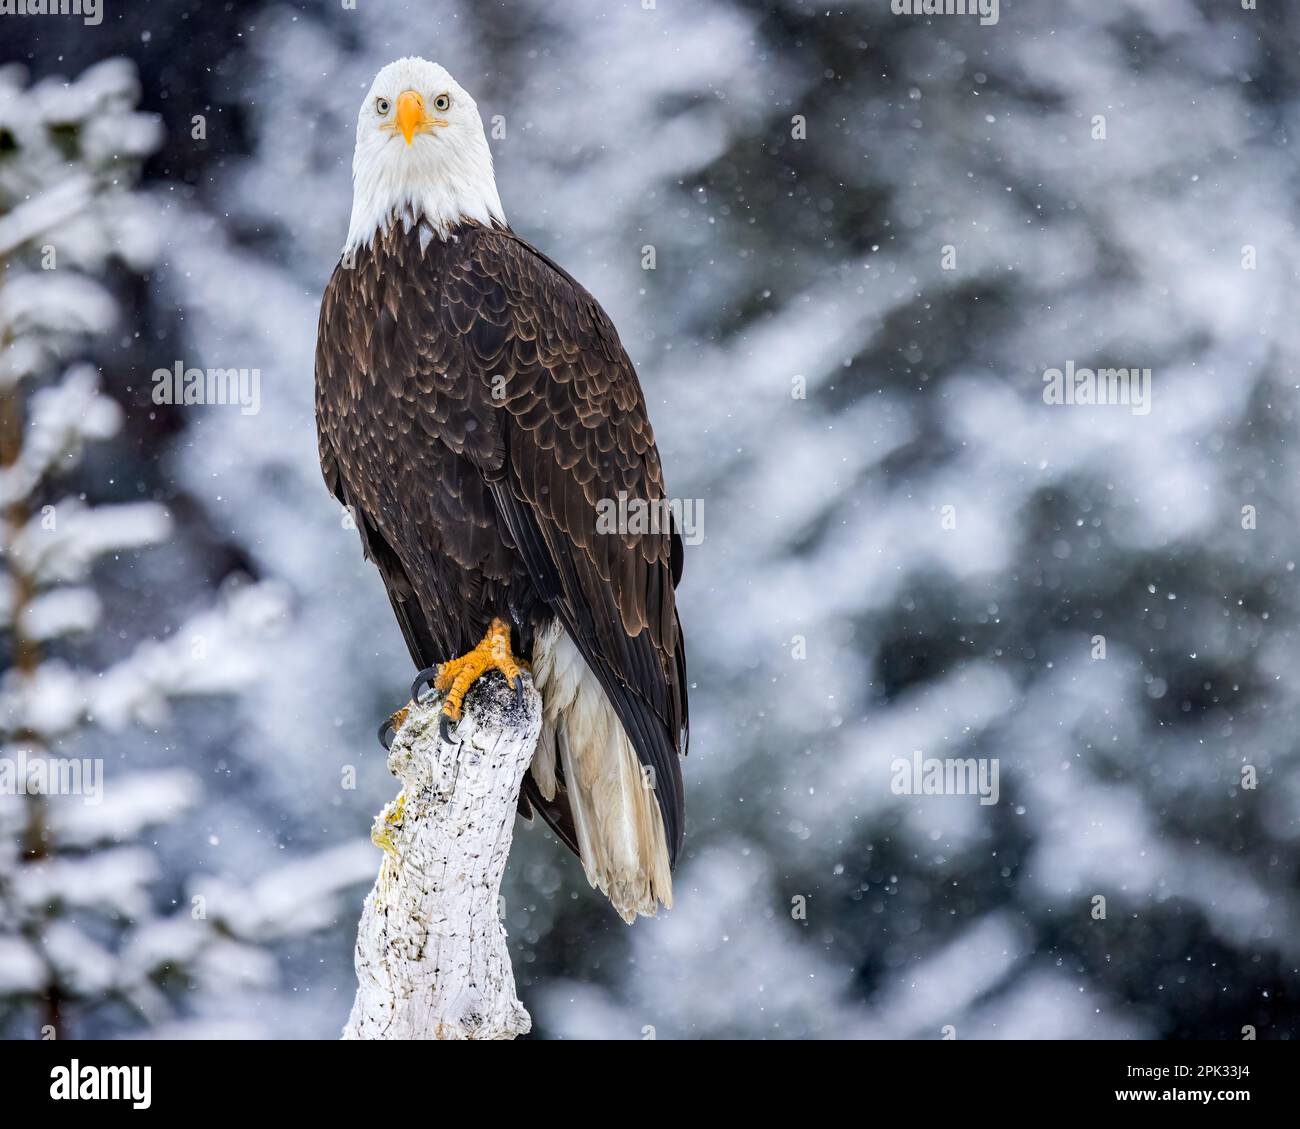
[442, 103]
[382, 106]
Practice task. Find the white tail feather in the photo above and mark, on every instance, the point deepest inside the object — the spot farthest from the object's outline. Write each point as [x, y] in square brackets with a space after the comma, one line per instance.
[619, 826]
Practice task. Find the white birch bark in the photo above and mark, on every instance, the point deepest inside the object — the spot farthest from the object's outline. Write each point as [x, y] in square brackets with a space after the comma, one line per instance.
[431, 955]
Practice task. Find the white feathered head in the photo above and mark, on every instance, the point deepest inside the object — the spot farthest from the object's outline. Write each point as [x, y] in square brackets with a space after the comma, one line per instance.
[420, 145]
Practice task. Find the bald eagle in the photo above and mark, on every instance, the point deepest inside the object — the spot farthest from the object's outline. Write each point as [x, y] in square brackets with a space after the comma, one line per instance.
[474, 409]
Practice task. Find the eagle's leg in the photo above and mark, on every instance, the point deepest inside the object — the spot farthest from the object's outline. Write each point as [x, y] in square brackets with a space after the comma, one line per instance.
[456, 676]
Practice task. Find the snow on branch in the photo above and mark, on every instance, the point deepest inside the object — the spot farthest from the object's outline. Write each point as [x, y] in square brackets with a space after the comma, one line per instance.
[61, 419]
[34, 217]
[431, 955]
[215, 652]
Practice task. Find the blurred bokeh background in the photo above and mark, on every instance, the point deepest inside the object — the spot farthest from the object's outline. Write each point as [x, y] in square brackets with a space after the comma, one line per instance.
[872, 234]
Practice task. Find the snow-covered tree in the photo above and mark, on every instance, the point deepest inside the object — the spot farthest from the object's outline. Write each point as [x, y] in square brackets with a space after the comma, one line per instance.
[83, 919]
[916, 551]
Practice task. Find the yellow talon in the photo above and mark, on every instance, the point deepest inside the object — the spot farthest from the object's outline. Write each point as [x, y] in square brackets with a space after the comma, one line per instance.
[456, 676]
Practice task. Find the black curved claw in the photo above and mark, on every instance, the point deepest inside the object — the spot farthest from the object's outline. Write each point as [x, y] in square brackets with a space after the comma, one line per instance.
[387, 734]
[519, 689]
[423, 679]
[444, 727]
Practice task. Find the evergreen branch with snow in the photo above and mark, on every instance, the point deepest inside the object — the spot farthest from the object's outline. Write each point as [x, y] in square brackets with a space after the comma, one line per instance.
[79, 886]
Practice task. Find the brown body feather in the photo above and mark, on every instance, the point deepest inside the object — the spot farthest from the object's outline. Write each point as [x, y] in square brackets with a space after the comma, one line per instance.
[473, 405]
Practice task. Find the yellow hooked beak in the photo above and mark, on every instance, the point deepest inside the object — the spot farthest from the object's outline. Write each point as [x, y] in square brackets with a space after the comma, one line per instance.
[412, 118]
